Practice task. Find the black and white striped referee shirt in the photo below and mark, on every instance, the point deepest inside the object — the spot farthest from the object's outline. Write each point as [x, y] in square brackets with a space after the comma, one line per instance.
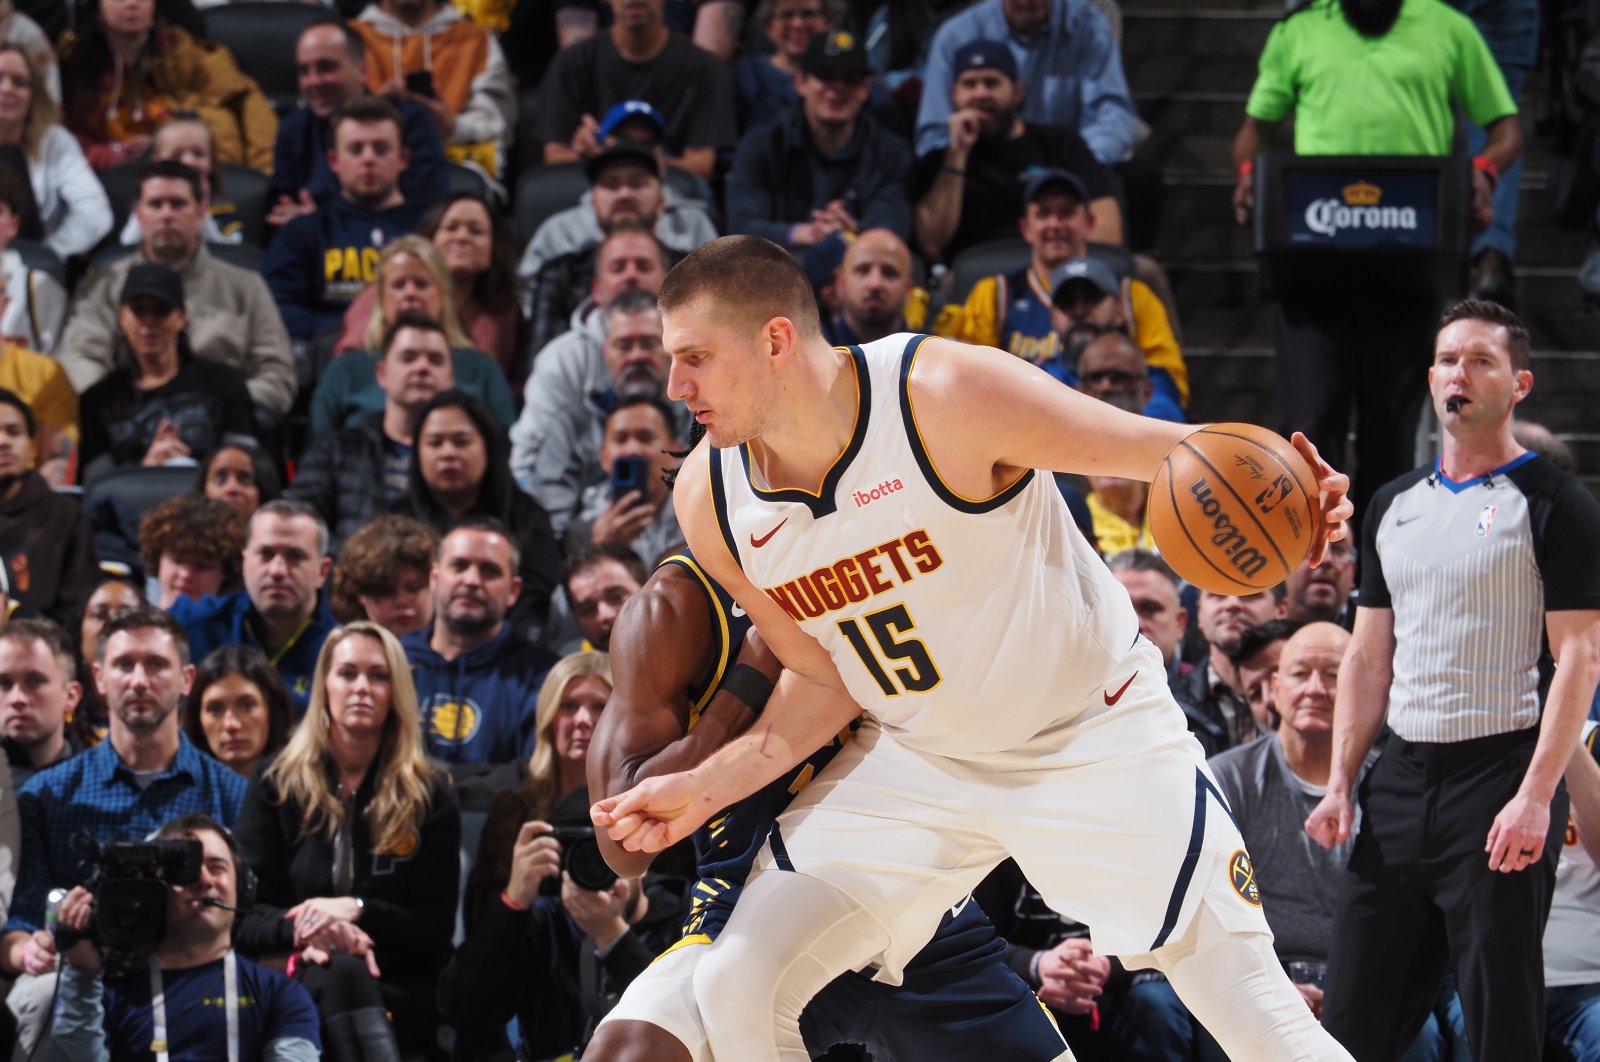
[1470, 569]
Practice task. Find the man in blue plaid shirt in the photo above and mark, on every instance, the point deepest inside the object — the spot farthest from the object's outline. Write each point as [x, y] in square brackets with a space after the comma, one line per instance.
[145, 773]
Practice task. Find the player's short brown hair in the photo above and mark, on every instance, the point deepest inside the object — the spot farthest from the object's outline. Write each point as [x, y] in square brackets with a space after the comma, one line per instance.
[192, 525]
[374, 557]
[749, 279]
[1517, 342]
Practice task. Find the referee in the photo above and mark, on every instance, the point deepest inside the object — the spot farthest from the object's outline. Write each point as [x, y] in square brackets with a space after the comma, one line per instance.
[1464, 567]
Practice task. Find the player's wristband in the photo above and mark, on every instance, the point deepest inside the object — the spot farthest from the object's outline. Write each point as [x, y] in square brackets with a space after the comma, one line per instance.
[1485, 165]
[750, 686]
[505, 898]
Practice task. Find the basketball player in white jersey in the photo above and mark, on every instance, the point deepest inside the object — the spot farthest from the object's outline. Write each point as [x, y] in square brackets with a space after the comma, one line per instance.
[876, 512]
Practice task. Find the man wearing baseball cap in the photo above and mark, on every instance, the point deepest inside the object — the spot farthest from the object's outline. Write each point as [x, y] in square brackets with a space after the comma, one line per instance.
[969, 190]
[1088, 301]
[824, 166]
[1066, 56]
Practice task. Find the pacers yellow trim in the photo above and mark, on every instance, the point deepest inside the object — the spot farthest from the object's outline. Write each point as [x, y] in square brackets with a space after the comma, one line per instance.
[691, 939]
[911, 404]
[721, 615]
[854, 424]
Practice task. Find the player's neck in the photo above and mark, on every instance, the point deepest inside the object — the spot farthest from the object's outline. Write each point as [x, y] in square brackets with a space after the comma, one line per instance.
[812, 428]
[1469, 456]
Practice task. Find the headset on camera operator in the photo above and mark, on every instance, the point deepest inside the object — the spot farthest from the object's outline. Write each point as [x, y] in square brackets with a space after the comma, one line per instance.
[189, 996]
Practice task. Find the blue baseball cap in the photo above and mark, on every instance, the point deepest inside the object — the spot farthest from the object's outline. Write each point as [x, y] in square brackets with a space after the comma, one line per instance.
[1089, 271]
[1038, 178]
[985, 55]
[627, 109]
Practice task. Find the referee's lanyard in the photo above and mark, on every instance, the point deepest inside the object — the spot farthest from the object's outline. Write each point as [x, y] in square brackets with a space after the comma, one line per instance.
[158, 1006]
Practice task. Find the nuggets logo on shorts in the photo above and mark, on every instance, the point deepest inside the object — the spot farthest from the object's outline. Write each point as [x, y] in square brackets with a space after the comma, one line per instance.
[447, 721]
[1242, 875]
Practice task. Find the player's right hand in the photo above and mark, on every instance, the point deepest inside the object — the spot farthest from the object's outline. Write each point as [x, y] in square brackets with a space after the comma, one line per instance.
[655, 814]
[1329, 823]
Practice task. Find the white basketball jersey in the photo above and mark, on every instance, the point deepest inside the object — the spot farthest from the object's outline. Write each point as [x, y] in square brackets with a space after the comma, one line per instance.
[964, 626]
[1572, 935]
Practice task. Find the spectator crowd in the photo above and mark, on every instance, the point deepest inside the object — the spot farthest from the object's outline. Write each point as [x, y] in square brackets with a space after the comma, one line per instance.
[335, 434]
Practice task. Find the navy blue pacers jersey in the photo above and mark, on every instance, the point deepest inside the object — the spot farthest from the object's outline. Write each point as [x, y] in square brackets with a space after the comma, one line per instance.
[726, 846]
[959, 999]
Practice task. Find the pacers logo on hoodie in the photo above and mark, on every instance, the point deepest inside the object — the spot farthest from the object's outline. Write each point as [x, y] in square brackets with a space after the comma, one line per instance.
[448, 722]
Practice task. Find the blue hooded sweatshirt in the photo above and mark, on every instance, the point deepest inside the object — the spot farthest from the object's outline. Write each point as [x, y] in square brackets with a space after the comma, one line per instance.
[478, 708]
[213, 622]
[318, 264]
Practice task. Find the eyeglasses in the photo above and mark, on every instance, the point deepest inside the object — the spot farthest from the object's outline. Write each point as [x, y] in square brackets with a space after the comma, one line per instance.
[1111, 377]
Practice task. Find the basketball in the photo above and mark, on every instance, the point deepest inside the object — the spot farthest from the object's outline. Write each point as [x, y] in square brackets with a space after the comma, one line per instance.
[1233, 509]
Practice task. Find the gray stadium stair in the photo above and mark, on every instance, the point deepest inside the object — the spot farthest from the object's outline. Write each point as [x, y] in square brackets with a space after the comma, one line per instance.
[1190, 68]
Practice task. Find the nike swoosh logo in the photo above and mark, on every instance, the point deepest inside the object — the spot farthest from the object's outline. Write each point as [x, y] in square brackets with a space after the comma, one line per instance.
[738, 610]
[957, 909]
[1113, 698]
[764, 539]
[1401, 521]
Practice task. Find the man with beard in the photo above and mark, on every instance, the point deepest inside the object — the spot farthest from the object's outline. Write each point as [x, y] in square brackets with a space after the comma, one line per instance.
[285, 564]
[477, 679]
[624, 185]
[641, 429]
[970, 190]
[1212, 696]
[556, 442]
[1370, 77]
[354, 474]
[46, 547]
[319, 263]
[1088, 303]
[824, 166]
[145, 773]
[873, 284]
[232, 319]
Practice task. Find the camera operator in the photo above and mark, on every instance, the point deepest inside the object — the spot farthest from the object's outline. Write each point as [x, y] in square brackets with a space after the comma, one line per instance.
[204, 1001]
[145, 773]
[553, 937]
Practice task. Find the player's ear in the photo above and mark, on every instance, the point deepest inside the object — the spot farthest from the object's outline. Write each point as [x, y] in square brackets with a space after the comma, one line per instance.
[1522, 385]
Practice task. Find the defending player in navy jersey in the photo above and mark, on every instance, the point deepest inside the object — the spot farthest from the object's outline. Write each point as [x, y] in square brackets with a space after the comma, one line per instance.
[687, 680]
[1010, 706]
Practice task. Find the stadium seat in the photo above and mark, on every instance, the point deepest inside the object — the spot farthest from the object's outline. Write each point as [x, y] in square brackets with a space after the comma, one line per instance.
[247, 190]
[262, 34]
[36, 255]
[981, 260]
[466, 179]
[543, 191]
[137, 489]
[122, 188]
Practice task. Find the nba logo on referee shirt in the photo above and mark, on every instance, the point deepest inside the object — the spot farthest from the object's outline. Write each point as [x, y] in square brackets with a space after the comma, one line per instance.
[1486, 519]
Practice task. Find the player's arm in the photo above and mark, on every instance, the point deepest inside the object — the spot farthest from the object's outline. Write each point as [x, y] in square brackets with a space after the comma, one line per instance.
[658, 647]
[1360, 705]
[1583, 787]
[988, 416]
[807, 708]
[1518, 834]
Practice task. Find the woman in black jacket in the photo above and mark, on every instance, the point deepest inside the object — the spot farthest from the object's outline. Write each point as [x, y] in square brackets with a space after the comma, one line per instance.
[460, 467]
[355, 840]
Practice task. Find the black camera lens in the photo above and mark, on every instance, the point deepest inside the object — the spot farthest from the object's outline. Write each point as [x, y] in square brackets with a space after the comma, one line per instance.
[588, 867]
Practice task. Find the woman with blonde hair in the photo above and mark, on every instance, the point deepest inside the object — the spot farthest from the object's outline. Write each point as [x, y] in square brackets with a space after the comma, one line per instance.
[570, 702]
[354, 836]
[73, 212]
[412, 278]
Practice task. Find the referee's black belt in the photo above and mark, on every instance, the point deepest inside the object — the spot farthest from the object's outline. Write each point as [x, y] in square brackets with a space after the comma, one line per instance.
[1459, 751]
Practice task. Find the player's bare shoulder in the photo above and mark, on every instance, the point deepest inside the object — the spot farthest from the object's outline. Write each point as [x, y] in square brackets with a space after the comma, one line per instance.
[962, 398]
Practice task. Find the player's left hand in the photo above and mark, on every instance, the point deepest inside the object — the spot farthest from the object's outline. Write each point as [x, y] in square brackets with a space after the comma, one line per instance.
[655, 814]
[1333, 489]
[1516, 840]
[1072, 977]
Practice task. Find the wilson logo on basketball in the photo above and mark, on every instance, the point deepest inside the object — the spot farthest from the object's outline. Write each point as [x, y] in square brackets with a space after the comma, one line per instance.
[1226, 536]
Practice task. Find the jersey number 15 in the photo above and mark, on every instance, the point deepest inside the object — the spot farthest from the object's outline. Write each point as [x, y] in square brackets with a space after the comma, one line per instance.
[917, 673]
